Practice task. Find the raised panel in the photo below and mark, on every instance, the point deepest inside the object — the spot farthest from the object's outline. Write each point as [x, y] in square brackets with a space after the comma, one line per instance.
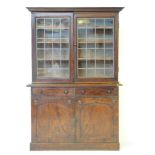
[54, 120]
[96, 119]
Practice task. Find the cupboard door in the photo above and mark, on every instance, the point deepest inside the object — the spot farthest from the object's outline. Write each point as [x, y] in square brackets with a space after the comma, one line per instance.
[52, 119]
[53, 46]
[96, 119]
[96, 46]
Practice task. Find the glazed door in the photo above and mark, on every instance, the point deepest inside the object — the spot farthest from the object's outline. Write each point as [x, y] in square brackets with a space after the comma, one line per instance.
[53, 119]
[52, 47]
[95, 46]
[96, 119]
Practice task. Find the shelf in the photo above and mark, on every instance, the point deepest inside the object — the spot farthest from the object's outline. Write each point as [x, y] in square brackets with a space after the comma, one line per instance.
[52, 59]
[89, 59]
[52, 27]
[97, 27]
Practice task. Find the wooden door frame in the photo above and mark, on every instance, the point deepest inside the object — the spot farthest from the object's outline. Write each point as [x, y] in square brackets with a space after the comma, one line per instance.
[96, 15]
[34, 57]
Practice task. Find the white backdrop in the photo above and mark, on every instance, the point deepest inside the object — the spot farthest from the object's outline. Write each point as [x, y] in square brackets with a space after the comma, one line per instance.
[137, 73]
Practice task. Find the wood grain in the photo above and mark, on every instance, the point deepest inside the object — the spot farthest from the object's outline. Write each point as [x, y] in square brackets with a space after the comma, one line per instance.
[74, 114]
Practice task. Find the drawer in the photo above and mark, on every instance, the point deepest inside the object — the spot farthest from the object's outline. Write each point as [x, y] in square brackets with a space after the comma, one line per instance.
[98, 91]
[53, 91]
[90, 100]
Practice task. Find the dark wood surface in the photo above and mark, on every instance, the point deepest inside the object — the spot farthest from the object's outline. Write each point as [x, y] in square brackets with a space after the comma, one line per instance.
[73, 46]
[98, 15]
[75, 114]
[74, 9]
[34, 56]
[74, 146]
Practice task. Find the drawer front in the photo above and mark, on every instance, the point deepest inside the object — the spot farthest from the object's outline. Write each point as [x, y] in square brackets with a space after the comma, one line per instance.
[98, 91]
[53, 91]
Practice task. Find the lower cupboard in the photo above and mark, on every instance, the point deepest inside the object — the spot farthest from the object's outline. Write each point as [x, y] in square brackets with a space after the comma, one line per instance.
[63, 118]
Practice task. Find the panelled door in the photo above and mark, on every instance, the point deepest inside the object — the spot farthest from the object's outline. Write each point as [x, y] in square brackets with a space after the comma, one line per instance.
[53, 116]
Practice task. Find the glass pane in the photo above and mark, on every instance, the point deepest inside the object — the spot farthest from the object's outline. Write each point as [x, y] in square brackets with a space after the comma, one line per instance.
[90, 53]
[90, 33]
[100, 54]
[40, 33]
[82, 64]
[82, 45]
[56, 23]
[90, 73]
[56, 64]
[64, 64]
[40, 54]
[64, 45]
[109, 45]
[100, 45]
[82, 73]
[48, 45]
[64, 54]
[100, 73]
[40, 45]
[108, 63]
[82, 53]
[90, 45]
[48, 54]
[48, 64]
[56, 33]
[91, 22]
[108, 33]
[64, 23]
[48, 22]
[64, 33]
[99, 63]
[95, 40]
[109, 72]
[81, 33]
[40, 22]
[56, 45]
[109, 22]
[82, 22]
[40, 64]
[99, 33]
[100, 22]
[52, 47]
[91, 64]
[108, 54]
[48, 33]
[56, 53]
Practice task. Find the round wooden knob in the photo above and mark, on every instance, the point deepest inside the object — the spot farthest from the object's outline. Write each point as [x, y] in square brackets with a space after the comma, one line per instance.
[109, 91]
[69, 102]
[66, 91]
[79, 102]
[82, 92]
[35, 102]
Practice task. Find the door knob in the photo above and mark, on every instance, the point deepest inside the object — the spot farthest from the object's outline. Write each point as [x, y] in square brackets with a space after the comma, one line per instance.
[35, 102]
[79, 102]
[82, 92]
[109, 91]
[69, 102]
[66, 91]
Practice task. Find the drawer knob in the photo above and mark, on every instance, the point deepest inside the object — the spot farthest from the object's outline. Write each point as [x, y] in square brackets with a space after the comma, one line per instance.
[69, 102]
[82, 92]
[66, 91]
[109, 91]
[35, 102]
[79, 102]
